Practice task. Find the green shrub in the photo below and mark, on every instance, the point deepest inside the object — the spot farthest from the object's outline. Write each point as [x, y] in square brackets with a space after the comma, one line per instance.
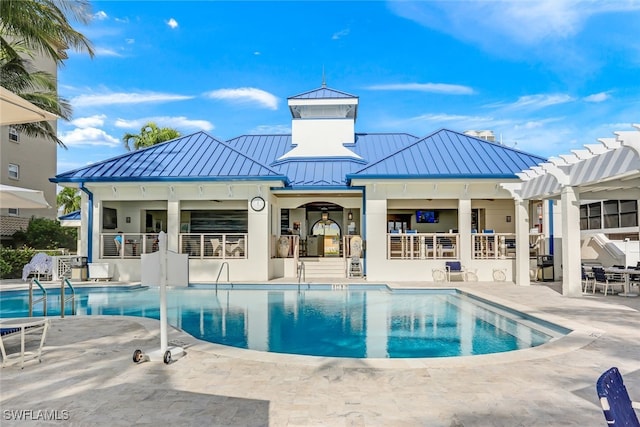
[13, 260]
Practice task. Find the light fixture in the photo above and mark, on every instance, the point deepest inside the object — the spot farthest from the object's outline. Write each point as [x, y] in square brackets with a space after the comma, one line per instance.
[325, 215]
[350, 215]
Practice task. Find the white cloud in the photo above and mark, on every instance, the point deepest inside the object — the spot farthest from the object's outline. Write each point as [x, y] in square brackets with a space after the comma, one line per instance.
[129, 41]
[245, 95]
[340, 34]
[105, 51]
[88, 136]
[100, 16]
[179, 122]
[257, 53]
[92, 121]
[172, 23]
[536, 101]
[522, 22]
[597, 97]
[126, 98]
[426, 87]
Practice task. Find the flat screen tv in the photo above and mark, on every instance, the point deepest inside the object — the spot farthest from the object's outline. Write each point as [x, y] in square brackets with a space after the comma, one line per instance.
[109, 218]
[427, 217]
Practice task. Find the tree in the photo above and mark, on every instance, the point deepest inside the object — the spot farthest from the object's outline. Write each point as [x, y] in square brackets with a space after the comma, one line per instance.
[150, 134]
[39, 27]
[69, 200]
[44, 233]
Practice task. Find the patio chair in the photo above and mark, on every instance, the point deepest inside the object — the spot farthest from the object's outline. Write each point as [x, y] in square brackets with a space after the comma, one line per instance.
[235, 249]
[616, 404]
[41, 264]
[455, 268]
[605, 281]
[216, 246]
[20, 327]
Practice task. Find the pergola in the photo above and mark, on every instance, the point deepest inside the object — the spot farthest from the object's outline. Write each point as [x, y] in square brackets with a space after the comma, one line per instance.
[609, 169]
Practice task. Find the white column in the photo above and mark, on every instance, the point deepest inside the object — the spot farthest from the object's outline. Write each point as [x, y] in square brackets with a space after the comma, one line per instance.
[464, 228]
[173, 225]
[522, 277]
[376, 218]
[258, 241]
[571, 273]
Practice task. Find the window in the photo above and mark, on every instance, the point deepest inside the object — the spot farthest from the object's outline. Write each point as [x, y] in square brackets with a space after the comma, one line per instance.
[14, 171]
[628, 213]
[14, 136]
[611, 218]
[595, 220]
[13, 212]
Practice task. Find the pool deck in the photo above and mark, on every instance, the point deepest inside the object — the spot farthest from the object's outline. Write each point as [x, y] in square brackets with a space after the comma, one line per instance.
[88, 377]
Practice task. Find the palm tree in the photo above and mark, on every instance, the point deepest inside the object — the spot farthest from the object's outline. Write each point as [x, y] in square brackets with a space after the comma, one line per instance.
[39, 27]
[43, 26]
[150, 134]
[69, 200]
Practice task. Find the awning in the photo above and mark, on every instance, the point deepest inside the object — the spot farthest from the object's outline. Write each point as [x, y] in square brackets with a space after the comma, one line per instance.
[25, 198]
[17, 110]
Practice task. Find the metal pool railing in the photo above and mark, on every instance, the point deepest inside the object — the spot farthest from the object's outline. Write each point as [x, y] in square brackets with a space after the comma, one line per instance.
[43, 298]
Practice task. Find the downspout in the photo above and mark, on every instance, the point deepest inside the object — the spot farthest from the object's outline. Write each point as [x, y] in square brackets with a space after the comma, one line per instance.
[551, 226]
[89, 223]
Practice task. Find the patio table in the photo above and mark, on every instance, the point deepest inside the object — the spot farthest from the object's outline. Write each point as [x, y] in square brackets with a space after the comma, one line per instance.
[626, 273]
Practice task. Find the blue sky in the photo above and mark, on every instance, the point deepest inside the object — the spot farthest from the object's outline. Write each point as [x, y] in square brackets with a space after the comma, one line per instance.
[546, 76]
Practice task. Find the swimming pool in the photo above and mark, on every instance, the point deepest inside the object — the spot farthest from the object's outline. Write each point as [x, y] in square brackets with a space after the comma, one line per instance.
[358, 322]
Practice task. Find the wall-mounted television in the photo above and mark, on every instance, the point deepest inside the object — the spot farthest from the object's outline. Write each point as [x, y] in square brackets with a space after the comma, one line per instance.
[427, 217]
[109, 218]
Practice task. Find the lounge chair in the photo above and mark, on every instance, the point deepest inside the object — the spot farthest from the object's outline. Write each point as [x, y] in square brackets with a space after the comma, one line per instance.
[20, 327]
[41, 264]
[615, 401]
[217, 247]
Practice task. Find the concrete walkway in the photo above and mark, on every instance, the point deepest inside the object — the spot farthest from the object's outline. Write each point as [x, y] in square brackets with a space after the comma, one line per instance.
[87, 376]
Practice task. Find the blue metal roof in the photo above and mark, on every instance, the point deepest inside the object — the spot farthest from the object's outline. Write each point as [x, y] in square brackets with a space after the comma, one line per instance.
[200, 157]
[449, 154]
[71, 216]
[317, 171]
[194, 157]
[323, 93]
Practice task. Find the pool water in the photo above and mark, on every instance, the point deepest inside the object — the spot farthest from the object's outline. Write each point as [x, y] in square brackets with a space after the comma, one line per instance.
[367, 322]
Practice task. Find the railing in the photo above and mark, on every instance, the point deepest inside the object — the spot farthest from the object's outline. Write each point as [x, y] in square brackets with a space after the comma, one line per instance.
[128, 245]
[196, 245]
[32, 302]
[217, 246]
[422, 245]
[302, 275]
[220, 272]
[63, 300]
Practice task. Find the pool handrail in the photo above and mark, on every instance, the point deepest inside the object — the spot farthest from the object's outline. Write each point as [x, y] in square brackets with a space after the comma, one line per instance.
[63, 300]
[220, 272]
[43, 298]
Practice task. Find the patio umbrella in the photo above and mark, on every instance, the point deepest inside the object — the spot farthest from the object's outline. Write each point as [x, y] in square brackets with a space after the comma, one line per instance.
[17, 110]
[25, 198]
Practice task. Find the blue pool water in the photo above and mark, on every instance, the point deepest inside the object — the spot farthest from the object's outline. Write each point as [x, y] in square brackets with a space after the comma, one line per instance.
[362, 322]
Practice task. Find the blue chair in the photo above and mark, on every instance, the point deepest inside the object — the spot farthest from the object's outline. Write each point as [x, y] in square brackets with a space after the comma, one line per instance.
[454, 268]
[617, 406]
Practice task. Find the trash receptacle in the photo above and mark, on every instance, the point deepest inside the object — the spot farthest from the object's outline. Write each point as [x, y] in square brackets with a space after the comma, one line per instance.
[546, 271]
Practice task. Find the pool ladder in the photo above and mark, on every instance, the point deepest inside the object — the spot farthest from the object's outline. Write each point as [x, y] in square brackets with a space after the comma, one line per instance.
[220, 272]
[63, 301]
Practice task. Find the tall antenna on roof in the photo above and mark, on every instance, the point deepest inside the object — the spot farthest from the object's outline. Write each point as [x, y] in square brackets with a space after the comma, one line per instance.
[324, 81]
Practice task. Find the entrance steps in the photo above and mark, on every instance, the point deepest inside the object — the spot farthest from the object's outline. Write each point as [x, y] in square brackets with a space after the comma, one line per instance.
[327, 267]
